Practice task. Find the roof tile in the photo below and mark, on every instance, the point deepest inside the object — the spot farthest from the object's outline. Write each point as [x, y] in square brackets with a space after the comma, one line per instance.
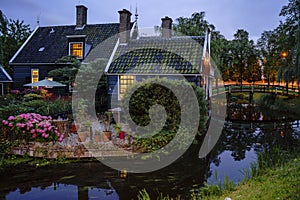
[155, 55]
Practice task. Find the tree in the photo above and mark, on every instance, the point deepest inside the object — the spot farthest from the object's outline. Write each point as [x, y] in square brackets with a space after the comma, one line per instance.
[244, 56]
[290, 35]
[66, 74]
[269, 49]
[197, 25]
[194, 26]
[13, 33]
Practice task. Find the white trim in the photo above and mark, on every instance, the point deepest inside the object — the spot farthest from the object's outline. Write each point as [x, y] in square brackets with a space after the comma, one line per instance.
[23, 45]
[132, 29]
[6, 74]
[76, 36]
[119, 98]
[132, 74]
[203, 52]
[112, 56]
[38, 64]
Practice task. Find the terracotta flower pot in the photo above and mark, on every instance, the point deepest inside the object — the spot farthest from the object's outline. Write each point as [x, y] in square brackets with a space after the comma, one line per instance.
[82, 136]
[97, 138]
[107, 136]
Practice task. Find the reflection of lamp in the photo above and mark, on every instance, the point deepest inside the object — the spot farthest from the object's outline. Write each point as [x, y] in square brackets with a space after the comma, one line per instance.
[123, 173]
[284, 55]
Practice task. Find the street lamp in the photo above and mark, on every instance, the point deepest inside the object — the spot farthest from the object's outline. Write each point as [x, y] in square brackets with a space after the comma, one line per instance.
[284, 54]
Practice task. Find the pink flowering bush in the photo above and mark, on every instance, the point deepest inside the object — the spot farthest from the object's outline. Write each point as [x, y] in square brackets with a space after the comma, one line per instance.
[33, 127]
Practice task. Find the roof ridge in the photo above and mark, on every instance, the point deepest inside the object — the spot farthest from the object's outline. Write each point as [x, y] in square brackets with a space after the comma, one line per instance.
[70, 25]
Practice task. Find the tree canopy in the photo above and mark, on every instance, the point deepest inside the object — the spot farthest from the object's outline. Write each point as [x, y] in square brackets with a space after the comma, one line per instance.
[13, 33]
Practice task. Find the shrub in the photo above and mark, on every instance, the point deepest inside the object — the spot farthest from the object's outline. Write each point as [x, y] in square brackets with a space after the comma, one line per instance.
[143, 95]
[32, 127]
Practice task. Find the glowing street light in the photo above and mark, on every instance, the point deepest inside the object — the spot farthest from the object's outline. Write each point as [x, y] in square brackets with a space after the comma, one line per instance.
[284, 54]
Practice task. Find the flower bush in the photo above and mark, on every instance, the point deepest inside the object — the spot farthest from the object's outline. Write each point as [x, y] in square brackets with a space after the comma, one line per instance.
[33, 127]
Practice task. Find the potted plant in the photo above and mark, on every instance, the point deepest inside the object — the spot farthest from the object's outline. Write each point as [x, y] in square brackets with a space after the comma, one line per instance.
[97, 136]
[122, 135]
[117, 127]
[107, 120]
[119, 131]
[85, 131]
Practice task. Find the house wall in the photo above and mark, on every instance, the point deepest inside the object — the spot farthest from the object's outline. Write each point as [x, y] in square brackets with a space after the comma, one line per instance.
[22, 74]
[5, 88]
[113, 87]
[113, 91]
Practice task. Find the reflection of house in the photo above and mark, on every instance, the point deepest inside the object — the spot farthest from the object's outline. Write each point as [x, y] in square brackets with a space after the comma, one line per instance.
[39, 54]
[136, 58]
[5, 81]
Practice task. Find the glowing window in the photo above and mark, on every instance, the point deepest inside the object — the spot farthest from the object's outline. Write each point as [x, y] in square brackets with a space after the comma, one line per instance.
[76, 49]
[34, 75]
[125, 82]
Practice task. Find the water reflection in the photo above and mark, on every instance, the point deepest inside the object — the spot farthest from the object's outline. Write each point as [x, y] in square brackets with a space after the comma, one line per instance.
[234, 152]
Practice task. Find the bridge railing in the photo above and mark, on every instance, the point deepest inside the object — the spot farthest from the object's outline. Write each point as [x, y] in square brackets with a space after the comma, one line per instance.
[277, 89]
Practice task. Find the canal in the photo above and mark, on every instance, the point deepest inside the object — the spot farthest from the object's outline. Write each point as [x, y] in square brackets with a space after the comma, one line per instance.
[232, 156]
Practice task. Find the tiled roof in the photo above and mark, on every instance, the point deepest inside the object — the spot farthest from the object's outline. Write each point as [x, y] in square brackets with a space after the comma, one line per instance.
[48, 44]
[156, 55]
[4, 76]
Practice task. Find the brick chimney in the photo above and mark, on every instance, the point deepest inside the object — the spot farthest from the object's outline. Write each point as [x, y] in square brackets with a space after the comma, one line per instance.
[166, 25]
[124, 30]
[81, 16]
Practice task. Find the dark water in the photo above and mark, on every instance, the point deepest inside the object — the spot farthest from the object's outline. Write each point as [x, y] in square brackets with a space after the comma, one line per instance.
[235, 151]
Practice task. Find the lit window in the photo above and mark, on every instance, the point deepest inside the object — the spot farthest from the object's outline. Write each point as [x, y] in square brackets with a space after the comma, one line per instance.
[76, 49]
[125, 81]
[34, 75]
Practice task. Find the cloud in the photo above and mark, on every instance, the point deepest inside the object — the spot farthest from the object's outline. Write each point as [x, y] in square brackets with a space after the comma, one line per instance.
[254, 16]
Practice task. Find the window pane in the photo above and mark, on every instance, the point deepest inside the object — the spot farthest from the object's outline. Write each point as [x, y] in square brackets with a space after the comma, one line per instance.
[76, 49]
[34, 75]
[125, 82]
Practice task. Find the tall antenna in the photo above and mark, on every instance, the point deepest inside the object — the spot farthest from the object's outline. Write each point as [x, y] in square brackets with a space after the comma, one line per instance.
[136, 13]
[38, 19]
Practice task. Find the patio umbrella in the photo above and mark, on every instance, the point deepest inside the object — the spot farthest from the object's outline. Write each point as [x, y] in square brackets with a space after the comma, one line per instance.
[45, 83]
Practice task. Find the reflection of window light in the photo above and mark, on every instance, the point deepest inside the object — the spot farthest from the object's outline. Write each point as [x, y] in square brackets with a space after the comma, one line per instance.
[125, 82]
[76, 49]
[41, 49]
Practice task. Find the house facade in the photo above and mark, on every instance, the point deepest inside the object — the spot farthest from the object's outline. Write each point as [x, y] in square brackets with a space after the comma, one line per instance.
[130, 57]
[138, 58]
[46, 45]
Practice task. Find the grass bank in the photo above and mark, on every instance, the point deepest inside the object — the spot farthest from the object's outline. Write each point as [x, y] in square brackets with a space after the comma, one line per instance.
[276, 175]
[281, 182]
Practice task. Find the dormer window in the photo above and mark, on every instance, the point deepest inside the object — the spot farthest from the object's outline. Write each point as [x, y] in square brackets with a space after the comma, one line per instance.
[76, 49]
[77, 46]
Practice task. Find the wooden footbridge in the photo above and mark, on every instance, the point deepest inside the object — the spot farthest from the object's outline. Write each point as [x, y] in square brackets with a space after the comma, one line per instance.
[257, 88]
